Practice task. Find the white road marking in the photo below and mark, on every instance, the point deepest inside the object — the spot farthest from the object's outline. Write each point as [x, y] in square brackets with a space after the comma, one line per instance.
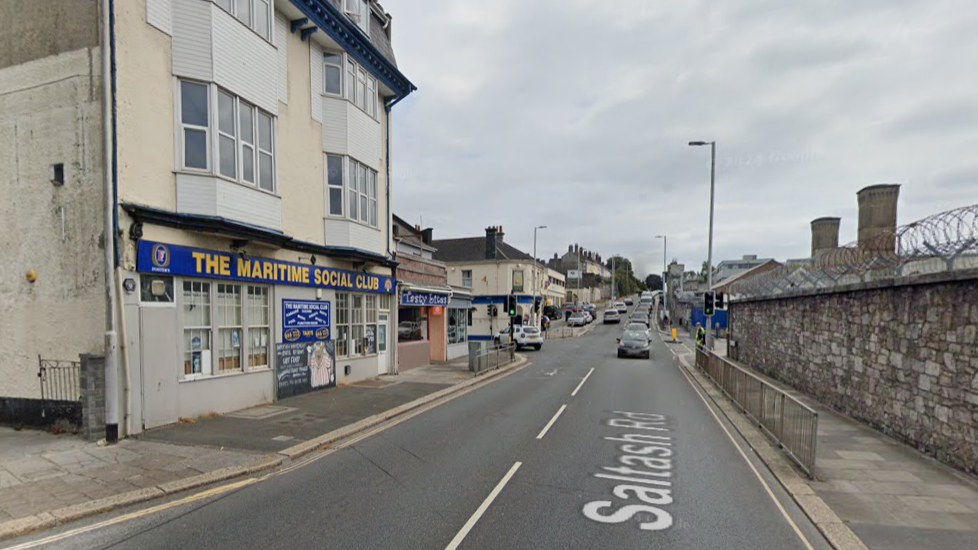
[743, 455]
[552, 420]
[482, 508]
[582, 382]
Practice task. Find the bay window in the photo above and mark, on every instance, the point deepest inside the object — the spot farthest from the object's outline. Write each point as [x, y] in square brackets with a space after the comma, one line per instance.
[245, 136]
[362, 194]
[361, 89]
[254, 14]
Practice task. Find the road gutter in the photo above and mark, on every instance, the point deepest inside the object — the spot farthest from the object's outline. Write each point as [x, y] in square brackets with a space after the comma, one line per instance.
[838, 534]
[46, 520]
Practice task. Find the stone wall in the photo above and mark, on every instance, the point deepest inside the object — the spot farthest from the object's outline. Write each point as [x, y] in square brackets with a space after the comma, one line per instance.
[898, 354]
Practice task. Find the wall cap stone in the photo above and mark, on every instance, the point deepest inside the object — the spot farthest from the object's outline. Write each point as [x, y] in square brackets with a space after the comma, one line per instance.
[958, 275]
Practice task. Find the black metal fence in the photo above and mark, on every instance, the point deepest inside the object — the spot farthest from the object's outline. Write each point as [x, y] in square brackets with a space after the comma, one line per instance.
[60, 380]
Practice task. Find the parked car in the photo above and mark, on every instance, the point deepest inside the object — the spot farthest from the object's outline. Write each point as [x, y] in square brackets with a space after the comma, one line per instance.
[621, 307]
[611, 316]
[409, 330]
[552, 311]
[592, 309]
[523, 336]
[588, 317]
[578, 319]
[634, 343]
[629, 302]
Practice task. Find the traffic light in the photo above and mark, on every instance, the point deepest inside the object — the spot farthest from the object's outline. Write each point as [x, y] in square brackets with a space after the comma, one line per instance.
[536, 305]
[511, 305]
[708, 306]
[719, 300]
[494, 311]
[489, 309]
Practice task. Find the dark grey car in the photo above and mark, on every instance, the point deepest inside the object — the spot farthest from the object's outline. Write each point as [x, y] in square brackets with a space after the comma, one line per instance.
[634, 344]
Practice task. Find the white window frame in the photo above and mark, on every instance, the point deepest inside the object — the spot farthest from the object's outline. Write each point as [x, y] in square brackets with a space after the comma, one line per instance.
[270, 151]
[467, 280]
[362, 89]
[233, 136]
[261, 330]
[359, 12]
[338, 65]
[330, 187]
[184, 126]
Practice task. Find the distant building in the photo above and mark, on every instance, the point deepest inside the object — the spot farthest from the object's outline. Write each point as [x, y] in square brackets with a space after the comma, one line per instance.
[730, 268]
[491, 269]
[585, 274]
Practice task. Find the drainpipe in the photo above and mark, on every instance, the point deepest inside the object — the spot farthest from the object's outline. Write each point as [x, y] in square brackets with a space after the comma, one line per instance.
[108, 230]
[392, 325]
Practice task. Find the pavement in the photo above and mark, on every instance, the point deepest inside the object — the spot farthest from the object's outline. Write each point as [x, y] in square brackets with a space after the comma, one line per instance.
[40, 472]
[48, 479]
[558, 454]
[886, 493]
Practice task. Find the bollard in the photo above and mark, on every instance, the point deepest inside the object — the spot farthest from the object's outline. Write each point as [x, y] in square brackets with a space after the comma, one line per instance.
[674, 334]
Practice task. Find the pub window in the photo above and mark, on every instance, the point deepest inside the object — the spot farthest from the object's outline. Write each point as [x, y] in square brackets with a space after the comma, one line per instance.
[259, 322]
[196, 328]
[342, 324]
[228, 327]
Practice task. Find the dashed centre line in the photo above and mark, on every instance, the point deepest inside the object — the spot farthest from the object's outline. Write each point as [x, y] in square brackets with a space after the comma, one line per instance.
[582, 382]
[551, 423]
[482, 508]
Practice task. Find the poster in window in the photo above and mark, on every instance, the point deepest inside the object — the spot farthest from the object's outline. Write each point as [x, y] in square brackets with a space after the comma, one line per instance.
[371, 340]
[517, 281]
[302, 367]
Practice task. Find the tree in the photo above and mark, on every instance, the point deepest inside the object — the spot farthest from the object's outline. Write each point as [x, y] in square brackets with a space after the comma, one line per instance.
[654, 282]
[701, 276]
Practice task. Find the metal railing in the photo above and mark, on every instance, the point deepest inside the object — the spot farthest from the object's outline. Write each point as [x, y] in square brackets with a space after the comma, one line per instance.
[494, 357]
[787, 420]
[60, 380]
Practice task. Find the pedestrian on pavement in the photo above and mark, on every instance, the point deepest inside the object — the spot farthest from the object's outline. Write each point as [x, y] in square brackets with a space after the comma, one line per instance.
[544, 323]
[700, 335]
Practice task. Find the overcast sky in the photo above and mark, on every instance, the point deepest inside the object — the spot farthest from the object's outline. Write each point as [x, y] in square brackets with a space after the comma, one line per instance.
[575, 114]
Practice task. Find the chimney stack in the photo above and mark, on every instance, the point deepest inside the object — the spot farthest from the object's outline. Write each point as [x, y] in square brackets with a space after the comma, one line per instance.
[878, 218]
[825, 235]
[491, 243]
[427, 235]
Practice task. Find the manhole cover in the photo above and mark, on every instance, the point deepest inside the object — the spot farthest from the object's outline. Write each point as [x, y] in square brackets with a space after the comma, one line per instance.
[260, 413]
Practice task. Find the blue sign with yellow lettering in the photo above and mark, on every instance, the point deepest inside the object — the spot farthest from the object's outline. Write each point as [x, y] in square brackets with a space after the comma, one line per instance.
[305, 321]
[170, 259]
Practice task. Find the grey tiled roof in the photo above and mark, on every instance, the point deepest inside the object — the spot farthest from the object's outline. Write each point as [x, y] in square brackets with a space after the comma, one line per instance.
[473, 249]
[378, 36]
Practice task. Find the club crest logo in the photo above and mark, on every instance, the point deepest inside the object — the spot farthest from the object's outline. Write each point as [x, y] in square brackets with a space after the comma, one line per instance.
[161, 255]
[387, 285]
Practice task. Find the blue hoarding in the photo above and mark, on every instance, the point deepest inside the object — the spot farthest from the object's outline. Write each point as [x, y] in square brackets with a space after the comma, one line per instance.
[305, 321]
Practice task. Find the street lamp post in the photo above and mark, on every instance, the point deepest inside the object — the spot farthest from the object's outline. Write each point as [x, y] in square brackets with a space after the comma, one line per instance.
[533, 305]
[709, 257]
[665, 273]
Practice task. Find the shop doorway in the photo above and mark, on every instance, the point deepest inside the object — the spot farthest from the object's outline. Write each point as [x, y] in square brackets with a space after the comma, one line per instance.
[383, 361]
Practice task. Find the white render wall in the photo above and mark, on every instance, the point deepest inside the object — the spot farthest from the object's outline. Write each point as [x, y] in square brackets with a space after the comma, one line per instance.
[49, 113]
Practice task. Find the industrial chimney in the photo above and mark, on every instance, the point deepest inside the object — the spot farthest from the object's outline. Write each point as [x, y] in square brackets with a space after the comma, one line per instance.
[878, 218]
[825, 235]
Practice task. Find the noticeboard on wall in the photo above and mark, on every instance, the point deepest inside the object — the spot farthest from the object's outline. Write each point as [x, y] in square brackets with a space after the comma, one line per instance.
[517, 281]
[305, 321]
[302, 367]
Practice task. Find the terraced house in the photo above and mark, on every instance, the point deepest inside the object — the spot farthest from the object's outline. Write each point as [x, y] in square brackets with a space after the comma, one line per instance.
[207, 187]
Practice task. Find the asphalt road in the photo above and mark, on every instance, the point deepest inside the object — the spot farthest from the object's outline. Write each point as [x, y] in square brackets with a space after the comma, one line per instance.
[635, 459]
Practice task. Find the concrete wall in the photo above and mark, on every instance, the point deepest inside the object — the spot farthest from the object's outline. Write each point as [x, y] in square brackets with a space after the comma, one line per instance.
[49, 113]
[900, 355]
[35, 29]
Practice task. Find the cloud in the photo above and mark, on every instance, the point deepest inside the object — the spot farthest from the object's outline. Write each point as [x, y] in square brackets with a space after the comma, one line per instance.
[576, 115]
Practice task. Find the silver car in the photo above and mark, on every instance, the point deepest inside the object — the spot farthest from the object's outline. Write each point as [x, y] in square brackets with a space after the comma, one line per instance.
[577, 320]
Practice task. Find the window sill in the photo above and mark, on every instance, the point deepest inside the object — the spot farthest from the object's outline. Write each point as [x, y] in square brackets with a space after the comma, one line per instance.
[345, 219]
[204, 377]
